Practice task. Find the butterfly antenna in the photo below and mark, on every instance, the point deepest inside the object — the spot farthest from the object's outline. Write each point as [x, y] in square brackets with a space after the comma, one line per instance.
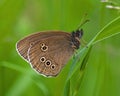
[83, 21]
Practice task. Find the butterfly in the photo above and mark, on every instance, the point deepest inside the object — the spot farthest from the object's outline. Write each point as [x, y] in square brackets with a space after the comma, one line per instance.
[49, 51]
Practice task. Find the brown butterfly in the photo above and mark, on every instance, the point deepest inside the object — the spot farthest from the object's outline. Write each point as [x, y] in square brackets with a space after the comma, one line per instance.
[49, 51]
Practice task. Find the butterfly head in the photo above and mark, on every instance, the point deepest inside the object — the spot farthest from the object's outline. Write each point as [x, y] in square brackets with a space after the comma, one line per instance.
[76, 35]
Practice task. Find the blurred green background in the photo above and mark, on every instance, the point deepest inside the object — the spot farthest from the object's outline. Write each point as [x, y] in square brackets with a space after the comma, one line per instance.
[19, 18]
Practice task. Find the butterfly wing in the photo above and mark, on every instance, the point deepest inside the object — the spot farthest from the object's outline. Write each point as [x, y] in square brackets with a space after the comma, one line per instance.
[57, 52]
[23, 45]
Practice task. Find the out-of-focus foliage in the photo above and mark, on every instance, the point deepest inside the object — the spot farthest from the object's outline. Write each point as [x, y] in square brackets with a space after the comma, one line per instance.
[93, 71]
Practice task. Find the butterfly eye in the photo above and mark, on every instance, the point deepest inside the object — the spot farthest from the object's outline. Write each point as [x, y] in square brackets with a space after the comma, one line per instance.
[44, 48]
[48, 63]
[52, 67]
[42, 59]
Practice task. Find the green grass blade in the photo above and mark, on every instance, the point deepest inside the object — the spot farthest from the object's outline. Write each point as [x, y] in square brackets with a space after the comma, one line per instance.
[67, 88]
[82, 56]
[80, 73]
[85, 60]
[111, 29]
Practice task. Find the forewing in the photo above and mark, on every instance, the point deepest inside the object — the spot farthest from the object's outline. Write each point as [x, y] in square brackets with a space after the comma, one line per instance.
[23, 45]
